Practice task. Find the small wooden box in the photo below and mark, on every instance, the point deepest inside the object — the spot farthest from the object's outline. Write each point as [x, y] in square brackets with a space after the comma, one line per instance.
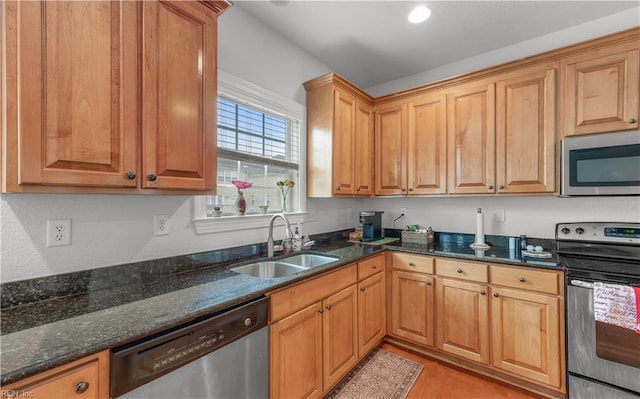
[414, 237]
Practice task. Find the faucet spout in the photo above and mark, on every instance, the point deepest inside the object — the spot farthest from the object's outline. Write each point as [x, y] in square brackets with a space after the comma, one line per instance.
[270, 239]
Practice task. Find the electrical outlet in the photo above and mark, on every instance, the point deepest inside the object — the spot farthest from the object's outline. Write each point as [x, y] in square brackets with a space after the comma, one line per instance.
[161, 225]
[403, 211]
[498, 216]
[58, 232]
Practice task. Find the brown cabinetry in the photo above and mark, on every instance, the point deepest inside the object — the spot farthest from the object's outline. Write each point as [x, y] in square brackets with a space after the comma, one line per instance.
[601, 90]
[97, 102]
[411, 146]
[340, 138]
[526, 324]
[462, 309]
[371, 304]
[412, 298]
[84, 379]
[313, 334]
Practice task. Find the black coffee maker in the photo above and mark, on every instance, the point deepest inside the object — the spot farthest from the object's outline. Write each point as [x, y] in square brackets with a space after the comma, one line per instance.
[371, 225]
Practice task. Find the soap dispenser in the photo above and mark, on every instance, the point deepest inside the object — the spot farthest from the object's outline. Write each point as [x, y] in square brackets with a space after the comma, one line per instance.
[297, 241]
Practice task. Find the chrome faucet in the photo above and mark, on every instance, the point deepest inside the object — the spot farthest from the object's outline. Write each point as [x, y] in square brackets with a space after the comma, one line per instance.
[270, 246]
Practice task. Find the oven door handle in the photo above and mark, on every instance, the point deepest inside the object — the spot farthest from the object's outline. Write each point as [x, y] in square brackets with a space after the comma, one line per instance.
[583, 284]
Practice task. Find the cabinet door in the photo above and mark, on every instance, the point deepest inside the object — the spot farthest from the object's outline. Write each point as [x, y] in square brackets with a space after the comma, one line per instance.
[391, 149]
[525, 331]
[525, 132]
[463, 319]
[471, 140]
[296, 355]
[344, 131]
[601, 90]
[363, 151]
[72, 87]
[339, 333]
[412, 299]
[427, 148]
[371, 313]
[179, 95]
[84, 378]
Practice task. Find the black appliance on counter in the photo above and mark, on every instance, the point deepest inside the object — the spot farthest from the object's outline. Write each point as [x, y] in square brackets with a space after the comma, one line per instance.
[603, 360]
[371, 225]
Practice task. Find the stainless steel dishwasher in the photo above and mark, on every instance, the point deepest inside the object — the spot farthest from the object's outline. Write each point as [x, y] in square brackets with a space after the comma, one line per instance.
[222, 357]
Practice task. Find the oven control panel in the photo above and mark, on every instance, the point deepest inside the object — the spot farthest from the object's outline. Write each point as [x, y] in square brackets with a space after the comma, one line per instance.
[621, 233]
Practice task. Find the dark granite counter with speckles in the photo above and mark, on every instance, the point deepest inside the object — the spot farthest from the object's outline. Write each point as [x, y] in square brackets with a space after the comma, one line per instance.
[50, 321]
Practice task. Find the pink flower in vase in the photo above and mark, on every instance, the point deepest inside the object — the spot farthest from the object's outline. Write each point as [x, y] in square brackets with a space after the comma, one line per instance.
[241, 203]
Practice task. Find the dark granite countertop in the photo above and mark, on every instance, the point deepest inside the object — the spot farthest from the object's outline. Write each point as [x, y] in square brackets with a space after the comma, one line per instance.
[50, 321]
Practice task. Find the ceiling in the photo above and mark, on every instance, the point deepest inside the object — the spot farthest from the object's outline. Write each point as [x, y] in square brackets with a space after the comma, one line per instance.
[371, 42]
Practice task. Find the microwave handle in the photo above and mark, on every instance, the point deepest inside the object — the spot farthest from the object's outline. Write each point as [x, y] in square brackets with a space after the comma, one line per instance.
[582, 284]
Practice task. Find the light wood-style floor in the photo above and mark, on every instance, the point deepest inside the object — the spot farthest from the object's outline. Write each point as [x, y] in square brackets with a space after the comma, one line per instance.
[440, 381]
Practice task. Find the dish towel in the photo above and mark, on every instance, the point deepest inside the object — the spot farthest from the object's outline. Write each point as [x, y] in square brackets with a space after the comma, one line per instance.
[617, 304]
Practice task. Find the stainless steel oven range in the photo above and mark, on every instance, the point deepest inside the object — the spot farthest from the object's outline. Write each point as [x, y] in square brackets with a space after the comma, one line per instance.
[603, 360]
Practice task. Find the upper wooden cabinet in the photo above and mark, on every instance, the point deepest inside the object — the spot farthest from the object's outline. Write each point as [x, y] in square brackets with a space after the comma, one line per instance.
[98, 103]
[471, 139]
[339, 138]
[601, 90]
[411, 146]
[526, 131]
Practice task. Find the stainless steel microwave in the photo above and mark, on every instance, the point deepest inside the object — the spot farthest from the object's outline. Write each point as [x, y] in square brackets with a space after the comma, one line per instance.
[601, 164]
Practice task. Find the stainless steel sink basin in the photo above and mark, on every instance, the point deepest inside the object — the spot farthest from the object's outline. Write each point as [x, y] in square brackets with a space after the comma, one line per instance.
[310, 260]
[269, 269]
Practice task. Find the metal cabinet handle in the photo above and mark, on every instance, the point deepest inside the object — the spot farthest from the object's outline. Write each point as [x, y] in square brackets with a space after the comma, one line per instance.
[411, 189]
[633, 120]
[412, 264]
[495, 294]
[321, 310]
[358, 189]
[362, 289]
[483, 292]
[81, 387]
[328, 307]
[131, 175]
[403, 189]
[374, 266]
[521, 279]
[152, 177]
[490, 187]
[501, 187]
[459, 270]
[428, 282]
[338, 188]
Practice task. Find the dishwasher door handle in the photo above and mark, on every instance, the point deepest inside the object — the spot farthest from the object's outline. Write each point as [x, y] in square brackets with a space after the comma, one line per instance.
[583, 284]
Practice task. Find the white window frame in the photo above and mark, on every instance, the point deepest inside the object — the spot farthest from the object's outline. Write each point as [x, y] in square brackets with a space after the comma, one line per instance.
[235, 87]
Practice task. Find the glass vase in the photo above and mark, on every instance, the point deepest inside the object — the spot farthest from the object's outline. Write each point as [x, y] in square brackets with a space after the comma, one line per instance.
[241, 204]
[284, 203]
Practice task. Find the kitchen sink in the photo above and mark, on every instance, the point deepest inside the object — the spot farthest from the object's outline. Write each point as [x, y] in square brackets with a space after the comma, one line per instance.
[310, 260]
[284, 267]
[269, 269]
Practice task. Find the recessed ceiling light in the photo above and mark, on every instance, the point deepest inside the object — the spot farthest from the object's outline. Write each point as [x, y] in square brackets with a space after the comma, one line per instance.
[419, 14]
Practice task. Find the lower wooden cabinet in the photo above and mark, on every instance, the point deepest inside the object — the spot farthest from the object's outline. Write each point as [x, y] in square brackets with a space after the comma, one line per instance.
[412, 302]
[463, 319]
[83, 379]
[371, 313]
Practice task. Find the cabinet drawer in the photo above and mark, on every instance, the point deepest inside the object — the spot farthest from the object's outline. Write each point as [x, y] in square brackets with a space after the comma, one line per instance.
[531, 280]
[285, 302]
[371, 266]
[470, 271]
[414, 263]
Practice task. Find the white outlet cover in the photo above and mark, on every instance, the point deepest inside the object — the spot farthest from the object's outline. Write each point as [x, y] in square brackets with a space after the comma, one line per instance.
[160, 225]
[58, 232]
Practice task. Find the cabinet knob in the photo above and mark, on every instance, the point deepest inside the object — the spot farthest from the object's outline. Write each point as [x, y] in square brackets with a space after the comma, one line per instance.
[321, 310]
[633, 120]
[152, 177]
[328, 307]
[521, 279]
[362, 289]
[374, 266]
[459, 270]
[403, 190]
[412, 264]
[501, 187]
[131, 175]
[410, 189]
[338, 188]
[358, 189]
[81, 387]
[483, 292]
[495, 294]
[428, 282]
[490, 187]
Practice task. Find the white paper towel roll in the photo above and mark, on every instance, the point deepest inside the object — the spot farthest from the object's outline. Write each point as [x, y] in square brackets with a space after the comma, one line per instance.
[479, 227]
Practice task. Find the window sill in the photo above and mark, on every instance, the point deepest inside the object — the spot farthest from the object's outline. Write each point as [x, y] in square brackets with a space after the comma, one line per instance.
[235, 223]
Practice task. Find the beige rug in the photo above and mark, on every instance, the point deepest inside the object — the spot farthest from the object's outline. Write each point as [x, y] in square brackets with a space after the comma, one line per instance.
[380, 375]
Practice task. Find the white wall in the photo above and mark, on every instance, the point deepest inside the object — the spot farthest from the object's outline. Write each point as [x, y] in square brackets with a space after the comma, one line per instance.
[115, 229]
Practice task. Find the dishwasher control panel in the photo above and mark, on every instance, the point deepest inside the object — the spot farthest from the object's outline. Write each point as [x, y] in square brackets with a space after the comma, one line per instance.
[139, 362]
